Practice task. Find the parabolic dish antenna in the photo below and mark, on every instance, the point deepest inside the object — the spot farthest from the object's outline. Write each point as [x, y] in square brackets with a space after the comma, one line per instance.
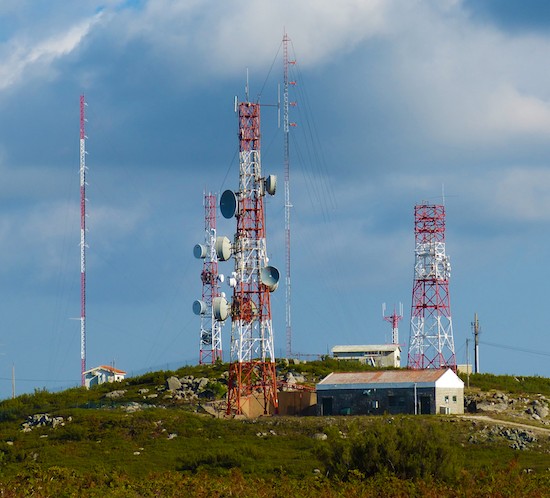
[271, 184]
[199, 307]
[220, 308]
[199, 251]
[269, 276]
[223, 248]
[228, 204]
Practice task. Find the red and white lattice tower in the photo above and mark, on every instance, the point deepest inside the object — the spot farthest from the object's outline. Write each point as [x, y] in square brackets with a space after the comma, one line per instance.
[286, 129]
[252, 374]
[394, 319]
[83, 245]
[210, 329]
[431, 343]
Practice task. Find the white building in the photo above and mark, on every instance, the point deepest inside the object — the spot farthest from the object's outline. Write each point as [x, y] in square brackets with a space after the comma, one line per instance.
[377, 355]
[102, 374]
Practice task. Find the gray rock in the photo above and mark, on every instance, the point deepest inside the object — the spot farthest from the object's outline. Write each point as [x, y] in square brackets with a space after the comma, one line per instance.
[173, 384]
[320, 436]
[116, 394]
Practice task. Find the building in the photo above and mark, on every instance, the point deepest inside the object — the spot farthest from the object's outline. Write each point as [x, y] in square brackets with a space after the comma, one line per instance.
[391, 391]
[378, 355]
[102, 374]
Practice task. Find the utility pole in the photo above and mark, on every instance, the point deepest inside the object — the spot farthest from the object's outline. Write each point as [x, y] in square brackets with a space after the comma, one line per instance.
[477, 331]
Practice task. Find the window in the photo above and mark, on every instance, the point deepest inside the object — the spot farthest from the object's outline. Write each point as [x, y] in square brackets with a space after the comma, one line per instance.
[454, 399]
[446, 399]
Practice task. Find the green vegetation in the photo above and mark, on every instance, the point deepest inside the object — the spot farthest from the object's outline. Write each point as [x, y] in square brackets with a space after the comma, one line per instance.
[509, 383]
[169, 447]
[406, 448]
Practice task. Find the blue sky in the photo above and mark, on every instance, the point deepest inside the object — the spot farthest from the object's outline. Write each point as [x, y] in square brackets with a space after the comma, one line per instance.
[400, 97]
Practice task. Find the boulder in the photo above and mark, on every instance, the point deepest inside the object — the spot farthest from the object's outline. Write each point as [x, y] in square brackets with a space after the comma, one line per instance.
[173, 384]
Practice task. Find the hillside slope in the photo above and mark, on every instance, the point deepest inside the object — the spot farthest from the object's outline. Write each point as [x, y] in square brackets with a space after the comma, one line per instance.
[151, 436]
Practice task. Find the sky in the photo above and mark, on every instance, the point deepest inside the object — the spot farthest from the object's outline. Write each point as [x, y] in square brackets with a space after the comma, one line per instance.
[399, 102]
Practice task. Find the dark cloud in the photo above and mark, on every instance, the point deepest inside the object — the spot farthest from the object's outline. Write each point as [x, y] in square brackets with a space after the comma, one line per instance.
[512, 15]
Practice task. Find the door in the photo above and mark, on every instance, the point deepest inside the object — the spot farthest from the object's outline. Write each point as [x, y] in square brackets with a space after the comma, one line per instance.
[326, 406]
[425, 405]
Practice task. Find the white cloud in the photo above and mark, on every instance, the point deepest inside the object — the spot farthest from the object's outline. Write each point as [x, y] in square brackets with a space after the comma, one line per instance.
[23, 54]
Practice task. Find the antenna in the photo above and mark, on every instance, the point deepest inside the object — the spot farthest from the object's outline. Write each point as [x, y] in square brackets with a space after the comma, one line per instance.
[288, 205]
[394, 319]
[83, 245]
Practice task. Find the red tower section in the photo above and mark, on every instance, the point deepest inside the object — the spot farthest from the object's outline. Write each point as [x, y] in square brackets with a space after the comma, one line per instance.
[431, 343]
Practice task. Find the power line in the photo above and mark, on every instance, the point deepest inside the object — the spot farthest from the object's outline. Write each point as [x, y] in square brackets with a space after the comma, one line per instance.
[515, 348]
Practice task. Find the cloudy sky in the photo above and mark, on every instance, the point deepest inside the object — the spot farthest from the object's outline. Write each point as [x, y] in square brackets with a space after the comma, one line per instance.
[399, 102]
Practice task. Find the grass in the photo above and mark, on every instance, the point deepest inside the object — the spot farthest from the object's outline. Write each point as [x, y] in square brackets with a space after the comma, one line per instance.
[169, 450]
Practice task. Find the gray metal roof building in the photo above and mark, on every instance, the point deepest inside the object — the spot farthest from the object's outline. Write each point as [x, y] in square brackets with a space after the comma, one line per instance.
[391, 391]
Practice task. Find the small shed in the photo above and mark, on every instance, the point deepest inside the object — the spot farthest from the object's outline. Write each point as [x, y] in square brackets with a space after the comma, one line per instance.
[376, 355]
[391, 391]
[102, 374]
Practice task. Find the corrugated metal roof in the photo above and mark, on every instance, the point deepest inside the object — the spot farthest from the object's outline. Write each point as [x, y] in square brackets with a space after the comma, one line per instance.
[365, 348]
[383, 377]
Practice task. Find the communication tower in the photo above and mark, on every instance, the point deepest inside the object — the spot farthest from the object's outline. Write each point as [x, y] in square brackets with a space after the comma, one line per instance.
[210, 342]
[431, 343]
[83, 245]
[252, 374]
[394, 319]
[286, 129]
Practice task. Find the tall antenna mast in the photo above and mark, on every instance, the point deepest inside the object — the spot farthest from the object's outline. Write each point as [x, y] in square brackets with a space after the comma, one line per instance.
[82, 241]
[288, 205]
[211, 328]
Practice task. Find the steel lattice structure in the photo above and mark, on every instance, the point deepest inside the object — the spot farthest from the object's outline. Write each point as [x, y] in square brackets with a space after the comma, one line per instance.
[288, 205]
[210, 328]
[431, 343]
[252, 364]
[394, 319]
[83, 245]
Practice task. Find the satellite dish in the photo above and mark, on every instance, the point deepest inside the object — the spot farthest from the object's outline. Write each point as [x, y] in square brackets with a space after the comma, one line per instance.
[220, 308]
[199, 251]
[271, 184]
[221, 278]
[269, 276]
[223, 248]
[228, 204]
[199, 307]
